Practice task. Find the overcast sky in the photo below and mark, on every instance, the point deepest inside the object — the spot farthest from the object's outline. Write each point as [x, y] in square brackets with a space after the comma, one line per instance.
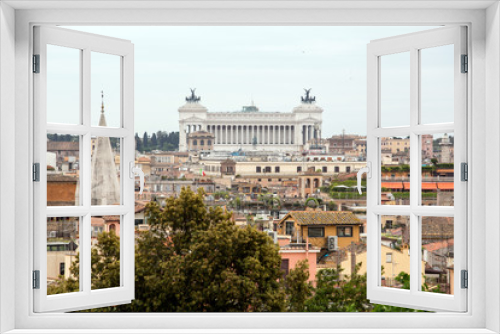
[230, 66]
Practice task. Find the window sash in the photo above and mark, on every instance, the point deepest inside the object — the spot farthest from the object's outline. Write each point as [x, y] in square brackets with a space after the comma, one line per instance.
[86, 297]
[414, 298]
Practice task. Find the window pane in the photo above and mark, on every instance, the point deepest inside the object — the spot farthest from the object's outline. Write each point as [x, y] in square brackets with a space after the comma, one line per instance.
[105, 171]
[438, 254]
[105, 252]
[395, 170]
[395, 251]
[63, 170]
[63, 85]
[395, 89]
[437, 84]
[63, 255]
[437, 169]
[105, 89]
[316, 232]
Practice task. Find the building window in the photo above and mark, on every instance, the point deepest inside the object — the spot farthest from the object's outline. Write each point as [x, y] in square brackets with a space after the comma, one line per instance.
[267, 169]
[388, 224]
[337, 169]
[258, 169]
[195, 142]
[344, 231]
[388, 258]
[316, 232]
[277, 169]
[202, 142]
[62, 267]
[324, 169]
[209, 142]
[285, 266]
[289, 228]
[299, 169]
[348, 169]
[269, 180]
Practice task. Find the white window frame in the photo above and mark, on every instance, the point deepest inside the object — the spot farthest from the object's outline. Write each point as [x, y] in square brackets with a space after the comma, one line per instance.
[484, 103]
[85, 43]
[413, 44]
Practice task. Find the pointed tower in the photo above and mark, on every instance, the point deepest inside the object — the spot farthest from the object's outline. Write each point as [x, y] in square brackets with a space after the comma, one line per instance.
[105, 187]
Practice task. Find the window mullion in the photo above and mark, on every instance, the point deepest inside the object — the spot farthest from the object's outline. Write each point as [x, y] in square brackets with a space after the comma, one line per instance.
[414, 168]
[85, 175]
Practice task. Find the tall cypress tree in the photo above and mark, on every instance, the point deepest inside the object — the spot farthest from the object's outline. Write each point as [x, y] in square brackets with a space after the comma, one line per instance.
[138, 143]
[154, 142]
[145, 142]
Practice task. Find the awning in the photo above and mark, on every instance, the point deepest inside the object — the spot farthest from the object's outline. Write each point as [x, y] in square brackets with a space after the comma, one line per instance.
[393, 185]
[425, 185]
[446, 185]
[429, 186]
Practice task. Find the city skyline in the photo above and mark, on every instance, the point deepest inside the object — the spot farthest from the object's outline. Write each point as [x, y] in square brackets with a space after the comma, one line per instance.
[234, 66]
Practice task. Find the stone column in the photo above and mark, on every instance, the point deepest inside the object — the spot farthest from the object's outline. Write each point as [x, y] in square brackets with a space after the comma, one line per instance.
[227, 132]
[279, 134]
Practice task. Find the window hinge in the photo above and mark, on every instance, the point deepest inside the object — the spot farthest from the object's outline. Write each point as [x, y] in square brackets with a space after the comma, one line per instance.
[465, 64]
[36, 63]
[36, 279]
[36, 172]
[464, 171]
[465, 279]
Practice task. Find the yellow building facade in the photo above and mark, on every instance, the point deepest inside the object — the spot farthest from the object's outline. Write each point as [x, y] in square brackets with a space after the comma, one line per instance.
[317, 226]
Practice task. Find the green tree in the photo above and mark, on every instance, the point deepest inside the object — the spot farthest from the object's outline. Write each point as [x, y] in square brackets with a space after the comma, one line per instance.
[145, 142]
[297, 287]
[154, 141]
[138, 143]
[192, 260]
[105, 264]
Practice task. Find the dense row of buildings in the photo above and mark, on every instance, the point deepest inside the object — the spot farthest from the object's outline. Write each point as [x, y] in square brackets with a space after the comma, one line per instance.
[275, 172]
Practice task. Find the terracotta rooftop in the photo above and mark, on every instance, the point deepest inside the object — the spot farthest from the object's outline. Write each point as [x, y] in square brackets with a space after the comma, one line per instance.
[61, 178]
[324, 218]
[63, 146]
[437, 228]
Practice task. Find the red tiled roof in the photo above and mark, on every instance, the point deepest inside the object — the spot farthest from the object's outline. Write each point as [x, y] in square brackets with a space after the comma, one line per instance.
[445, 170]
[425, 185]
[439, 245]
[446, 185]
[323, 218]
[392, 185]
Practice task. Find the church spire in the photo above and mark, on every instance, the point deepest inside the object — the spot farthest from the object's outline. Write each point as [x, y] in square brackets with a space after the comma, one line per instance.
[102, 119]
[102, 101]
[105, 187]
